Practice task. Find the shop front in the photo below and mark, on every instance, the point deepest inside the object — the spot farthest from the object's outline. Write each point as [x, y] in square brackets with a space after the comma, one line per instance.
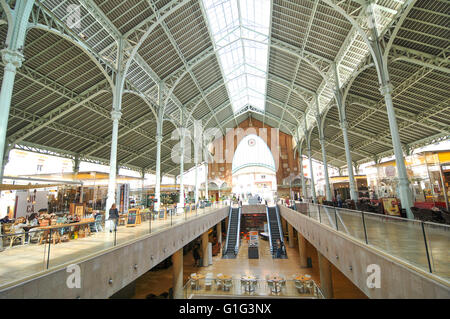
[428, 173]
[340, 185]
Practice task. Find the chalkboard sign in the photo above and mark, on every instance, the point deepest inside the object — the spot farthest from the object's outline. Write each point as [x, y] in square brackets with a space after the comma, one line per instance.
[162, 213]
[131, 219]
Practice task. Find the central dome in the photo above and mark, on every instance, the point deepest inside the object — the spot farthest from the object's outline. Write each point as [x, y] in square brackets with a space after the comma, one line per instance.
[252, 151]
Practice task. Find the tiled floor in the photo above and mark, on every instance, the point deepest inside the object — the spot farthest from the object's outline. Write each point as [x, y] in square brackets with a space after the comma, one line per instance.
[21, 261]
[157, 282]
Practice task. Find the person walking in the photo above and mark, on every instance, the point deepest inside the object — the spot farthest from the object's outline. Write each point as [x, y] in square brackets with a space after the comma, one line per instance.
[113, 216]
[339, 200]
[196, 254]
[278, 249]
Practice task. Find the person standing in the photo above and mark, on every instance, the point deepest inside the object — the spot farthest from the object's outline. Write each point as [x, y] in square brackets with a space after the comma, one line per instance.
[113, 216]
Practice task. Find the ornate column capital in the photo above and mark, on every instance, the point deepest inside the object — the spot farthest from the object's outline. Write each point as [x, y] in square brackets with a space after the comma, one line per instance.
[386, 89]
[116, 115]
[12, 59]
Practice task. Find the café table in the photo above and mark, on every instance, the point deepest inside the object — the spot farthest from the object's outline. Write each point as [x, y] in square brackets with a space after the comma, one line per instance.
[249, 282]
[276, 279]
[56, 234]
[304, 280]
[220, 281]
[196, 278]
[303, 277]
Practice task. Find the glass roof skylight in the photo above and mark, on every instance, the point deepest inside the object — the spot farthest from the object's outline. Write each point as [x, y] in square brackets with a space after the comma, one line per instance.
[240, 29]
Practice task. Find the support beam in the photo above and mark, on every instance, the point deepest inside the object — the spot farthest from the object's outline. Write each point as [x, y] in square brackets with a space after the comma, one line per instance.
[205, 242]
[219, 233]
[177, 264]
[386, 90]
[302, 250]
[291, 235]
[326, 278]
[12, 56]
[344, 127]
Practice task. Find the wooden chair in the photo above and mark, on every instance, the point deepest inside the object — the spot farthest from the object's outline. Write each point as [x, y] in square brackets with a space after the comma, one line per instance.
[16, 234]
[300, 286]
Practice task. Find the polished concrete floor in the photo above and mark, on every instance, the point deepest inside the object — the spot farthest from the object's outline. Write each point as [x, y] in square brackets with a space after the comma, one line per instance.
[158, 282]
[21, 261]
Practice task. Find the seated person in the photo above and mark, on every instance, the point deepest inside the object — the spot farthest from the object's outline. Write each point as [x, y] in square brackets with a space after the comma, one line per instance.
[34, 221]
[18, 225]
[6, 220]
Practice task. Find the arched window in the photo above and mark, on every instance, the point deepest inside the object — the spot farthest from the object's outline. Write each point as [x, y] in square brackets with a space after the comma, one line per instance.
[252, 151]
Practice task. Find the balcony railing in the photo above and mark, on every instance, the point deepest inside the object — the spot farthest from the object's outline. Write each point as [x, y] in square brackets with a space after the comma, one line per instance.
[421, 244]
[27, 251]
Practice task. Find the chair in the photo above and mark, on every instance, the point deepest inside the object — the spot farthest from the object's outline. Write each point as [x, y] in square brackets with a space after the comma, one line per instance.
[227, 284]
[16, 233]
[97, 225]
[34, 234]
[244, 284]
[219, 284]
[271, 285]
[309, 286]
[253, 284]
[208, 280]
[300, 286]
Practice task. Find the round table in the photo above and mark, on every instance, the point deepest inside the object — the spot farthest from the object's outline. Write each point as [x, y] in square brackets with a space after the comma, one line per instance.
[303, 277]
[196, 279]
[249, 282]
[276, 279]
[221, 281]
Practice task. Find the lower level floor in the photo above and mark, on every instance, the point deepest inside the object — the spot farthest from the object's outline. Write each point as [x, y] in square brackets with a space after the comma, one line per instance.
[160, 281]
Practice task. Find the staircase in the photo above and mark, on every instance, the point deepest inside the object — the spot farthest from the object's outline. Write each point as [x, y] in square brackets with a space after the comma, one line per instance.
[275, 232]
[232, 245]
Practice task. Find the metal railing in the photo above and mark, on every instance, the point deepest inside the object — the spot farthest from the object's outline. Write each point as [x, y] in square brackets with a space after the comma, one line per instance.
[270, 232]
[228, 231]
[31, 250]
[422, 244]
[280, 229]
[238, 233]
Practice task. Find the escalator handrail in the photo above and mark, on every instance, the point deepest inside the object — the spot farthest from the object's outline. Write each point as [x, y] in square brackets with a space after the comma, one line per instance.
[279, 225]
[268, 227]
[228, 231]
[236, 247]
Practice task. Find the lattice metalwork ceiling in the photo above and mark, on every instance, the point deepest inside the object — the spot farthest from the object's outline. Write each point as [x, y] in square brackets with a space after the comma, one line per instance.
[220, 70]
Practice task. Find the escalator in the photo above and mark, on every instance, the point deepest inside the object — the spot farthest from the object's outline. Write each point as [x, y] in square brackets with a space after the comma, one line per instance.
[275, 232]
[234, 225]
